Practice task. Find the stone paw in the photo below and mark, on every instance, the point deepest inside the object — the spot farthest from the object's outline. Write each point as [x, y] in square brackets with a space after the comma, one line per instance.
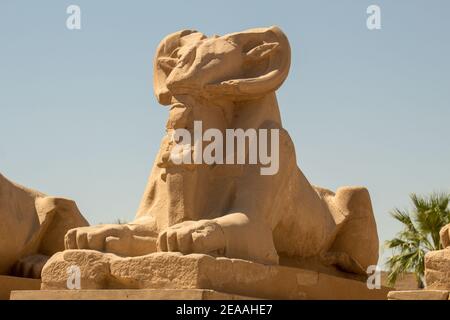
[203, 236]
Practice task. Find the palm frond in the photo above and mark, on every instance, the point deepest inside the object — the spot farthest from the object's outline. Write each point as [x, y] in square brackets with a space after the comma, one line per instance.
[403, 217]
[420, 234]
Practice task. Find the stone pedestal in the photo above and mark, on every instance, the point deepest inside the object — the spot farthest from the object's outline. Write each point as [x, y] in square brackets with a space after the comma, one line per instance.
[418, 295]
[197, 271]
[8, 284]
[125, 294]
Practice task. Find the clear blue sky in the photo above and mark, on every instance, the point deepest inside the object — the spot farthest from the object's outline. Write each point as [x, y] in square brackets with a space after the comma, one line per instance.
[78, 116]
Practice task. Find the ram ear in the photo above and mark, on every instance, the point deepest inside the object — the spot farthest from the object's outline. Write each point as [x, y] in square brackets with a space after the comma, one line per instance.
[262, 51]
[165, 61]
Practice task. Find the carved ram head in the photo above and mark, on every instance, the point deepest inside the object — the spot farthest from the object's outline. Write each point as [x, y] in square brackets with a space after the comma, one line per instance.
[237, 66]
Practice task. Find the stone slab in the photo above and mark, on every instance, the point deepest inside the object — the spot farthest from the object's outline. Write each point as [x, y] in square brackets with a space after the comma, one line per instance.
[124, 294]
[8, 284]
[197, 271]
[419, 295]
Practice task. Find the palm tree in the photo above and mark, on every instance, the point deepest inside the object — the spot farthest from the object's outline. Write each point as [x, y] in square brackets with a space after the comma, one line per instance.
[419, 235]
